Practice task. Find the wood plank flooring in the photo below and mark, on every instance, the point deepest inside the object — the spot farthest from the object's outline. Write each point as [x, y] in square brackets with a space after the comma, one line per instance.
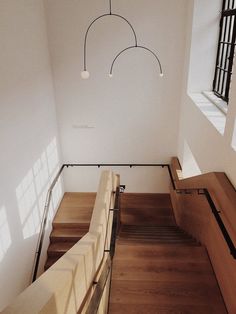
[157, 267]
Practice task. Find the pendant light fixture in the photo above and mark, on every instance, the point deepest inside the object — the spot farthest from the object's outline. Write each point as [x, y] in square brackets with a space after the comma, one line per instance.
[85, 73]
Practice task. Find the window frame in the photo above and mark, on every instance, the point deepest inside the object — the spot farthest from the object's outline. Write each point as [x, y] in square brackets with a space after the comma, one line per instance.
[225, 51]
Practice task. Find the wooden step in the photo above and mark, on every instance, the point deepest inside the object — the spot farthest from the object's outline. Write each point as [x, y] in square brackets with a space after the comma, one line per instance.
[171, 228]
[147, 200]
[165, 293]
[146, 208]
[75, 199]
[118, 308]
[154, 230]
[59, 249]
[75, 208]
[160, 271]
[154, 212]
[145, 216]
[71, 225]
[67, 235]
[161, 252]
[74, 216]
[158, 242]
[146, 233]
[155, 237]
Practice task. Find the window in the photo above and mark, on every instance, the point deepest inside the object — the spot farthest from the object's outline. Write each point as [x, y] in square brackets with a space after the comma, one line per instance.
[226, 49]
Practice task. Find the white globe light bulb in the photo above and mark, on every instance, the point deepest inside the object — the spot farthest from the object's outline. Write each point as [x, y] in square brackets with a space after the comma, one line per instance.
[110, 74]
[85, 75]
[161, 74]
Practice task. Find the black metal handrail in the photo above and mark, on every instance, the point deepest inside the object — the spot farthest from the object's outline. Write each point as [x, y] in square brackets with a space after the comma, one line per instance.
[131, 165]
[49, 197]
[216, 212]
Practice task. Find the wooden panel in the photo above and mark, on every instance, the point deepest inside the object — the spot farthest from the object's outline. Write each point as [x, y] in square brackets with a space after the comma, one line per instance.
[194, 215]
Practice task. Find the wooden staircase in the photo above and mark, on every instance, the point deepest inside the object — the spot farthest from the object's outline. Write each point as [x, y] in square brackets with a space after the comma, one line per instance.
[70, 224]
[157, 267]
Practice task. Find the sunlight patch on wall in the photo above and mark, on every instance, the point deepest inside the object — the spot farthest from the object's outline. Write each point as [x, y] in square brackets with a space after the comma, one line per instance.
[27, 204]
[5, 237]
[32, 191]
[234, 136]
[41, 173]
[41, 177]
[189, 166]
[26, 196]
[53, 167]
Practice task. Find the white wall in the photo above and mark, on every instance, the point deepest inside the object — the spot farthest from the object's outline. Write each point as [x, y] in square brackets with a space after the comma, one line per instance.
[135, 114]
[204, 29]
[211, 150]
[28, 139]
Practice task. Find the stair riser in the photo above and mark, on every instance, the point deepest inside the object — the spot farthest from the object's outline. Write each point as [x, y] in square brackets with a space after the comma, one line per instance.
[81, 227]
[152, 237]
[64, 239]
[140, 241]
[56, 254]
[165, 234]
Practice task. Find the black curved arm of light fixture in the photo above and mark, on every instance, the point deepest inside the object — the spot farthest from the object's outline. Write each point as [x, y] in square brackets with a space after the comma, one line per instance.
[95, 20]
[131, 47]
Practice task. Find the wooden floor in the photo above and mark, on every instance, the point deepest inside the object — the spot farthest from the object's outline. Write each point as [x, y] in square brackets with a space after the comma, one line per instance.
[70, 224]
[157, 267]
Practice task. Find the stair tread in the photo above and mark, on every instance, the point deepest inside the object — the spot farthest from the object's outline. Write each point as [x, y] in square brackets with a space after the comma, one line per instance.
[60, 246]
[150, 200]
[162, 270]
[160, 243]
[152, 251]
[147, 233]
[75, 208]
[68, 232]
[71, 224]
[157, 238]
[138, 220]
[78, 198]
[159, 294]
[79, 215]
[118, 308]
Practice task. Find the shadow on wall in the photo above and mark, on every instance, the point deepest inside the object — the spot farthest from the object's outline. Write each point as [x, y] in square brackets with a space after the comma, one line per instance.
[20, 220]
